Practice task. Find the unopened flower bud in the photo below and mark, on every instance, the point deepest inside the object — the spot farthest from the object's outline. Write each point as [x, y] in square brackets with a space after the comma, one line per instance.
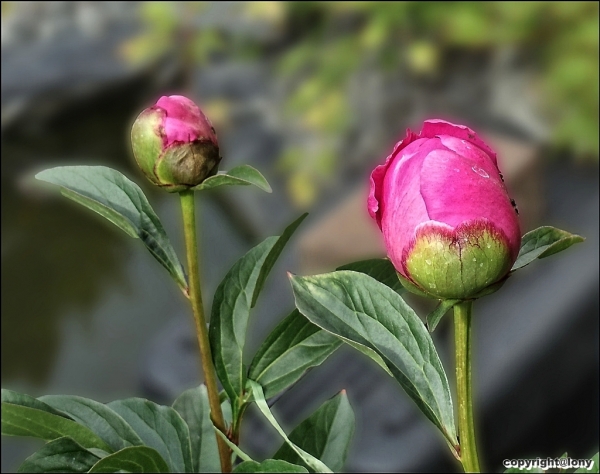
[448, 223]
[175, 144]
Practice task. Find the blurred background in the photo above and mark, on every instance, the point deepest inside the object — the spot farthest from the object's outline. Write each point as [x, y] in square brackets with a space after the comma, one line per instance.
[314, 95]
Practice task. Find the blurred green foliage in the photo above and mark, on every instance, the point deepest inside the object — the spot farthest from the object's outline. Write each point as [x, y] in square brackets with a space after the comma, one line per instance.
[320, 46]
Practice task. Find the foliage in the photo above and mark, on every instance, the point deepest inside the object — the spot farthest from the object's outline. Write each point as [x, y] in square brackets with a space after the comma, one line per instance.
[137, 435]
[359, 304]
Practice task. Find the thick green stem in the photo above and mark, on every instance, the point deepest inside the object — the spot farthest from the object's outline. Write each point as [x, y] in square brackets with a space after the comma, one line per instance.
[463, 348]
[195, 294]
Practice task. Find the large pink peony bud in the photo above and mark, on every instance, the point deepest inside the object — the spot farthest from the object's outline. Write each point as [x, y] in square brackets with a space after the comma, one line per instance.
[448, 223]
[175, 144]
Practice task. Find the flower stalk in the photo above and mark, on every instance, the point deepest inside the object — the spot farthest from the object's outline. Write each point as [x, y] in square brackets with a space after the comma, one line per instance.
[464, 389]
[195, 295]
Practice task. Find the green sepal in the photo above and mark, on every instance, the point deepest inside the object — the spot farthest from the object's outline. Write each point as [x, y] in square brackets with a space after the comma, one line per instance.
[146, 141]
[243, 175]
[410, 286]
[543, 242]
[459, 263]
[439, 312]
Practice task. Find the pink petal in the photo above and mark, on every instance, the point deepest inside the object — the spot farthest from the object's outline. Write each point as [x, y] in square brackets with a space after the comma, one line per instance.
[437, 127]
[184, 121]
[374, 201]
[456, 190]
[403, 206]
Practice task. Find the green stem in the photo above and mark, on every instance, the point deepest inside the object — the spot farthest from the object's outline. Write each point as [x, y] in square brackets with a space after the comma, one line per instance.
[195, 295]
[463, 348]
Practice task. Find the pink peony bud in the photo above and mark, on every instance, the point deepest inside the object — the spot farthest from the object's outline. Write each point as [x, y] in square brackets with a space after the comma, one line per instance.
[448, 223]
[175, 144]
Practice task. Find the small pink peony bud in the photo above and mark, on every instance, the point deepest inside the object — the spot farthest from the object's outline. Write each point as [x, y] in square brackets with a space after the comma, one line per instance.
[448, 223]
[175, 144]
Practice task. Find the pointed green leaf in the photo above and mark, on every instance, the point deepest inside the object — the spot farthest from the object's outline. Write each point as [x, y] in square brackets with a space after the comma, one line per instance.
[60, 455]
[543, 242]
[326, 434]
[379, 268]
[359, 308]
[16, 398]
[268, 465]
[97, 417]
[132, 459]
[438, 313]
[233, 299]
[23, 415]
[159, 427]
[383, 271]
[272, 255]
[121, 201]
[294, 346]
[259, 397]
[370, 353]
[593, 468]
[194, 408]
[234, 448]
[243, 175]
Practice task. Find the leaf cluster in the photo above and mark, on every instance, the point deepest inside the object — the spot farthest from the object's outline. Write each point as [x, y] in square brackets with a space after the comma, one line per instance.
[359, 304]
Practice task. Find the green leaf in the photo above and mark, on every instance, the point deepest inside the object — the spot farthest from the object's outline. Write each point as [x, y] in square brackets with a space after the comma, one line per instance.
[97, 417]
[60, 455]
[294, 346]
[359, 308]
[16, 398]
[23, 415]
[236, 449]
[194, 408]
[379, 268]
[159, 427]
[543, 242]
[132, 459]
[370, 353]
[594, 467]
[121, 201]
[271, 257]
[326, 434]
[383, 271]
[438, 313]
[259, 397]
[244, 175]
[233, 299]
[268, 465]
